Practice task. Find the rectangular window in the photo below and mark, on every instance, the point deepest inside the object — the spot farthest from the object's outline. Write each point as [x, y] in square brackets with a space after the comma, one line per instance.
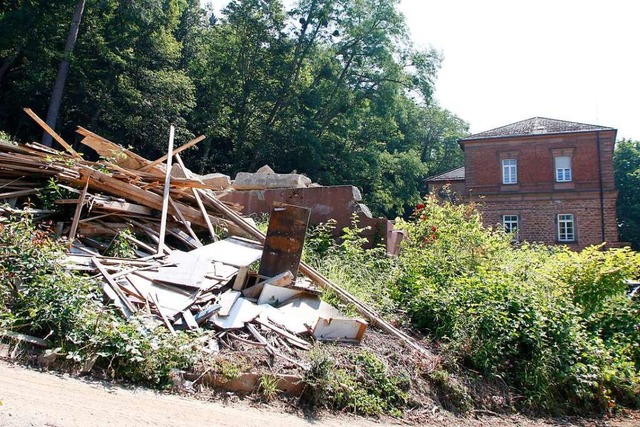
[510, 223]
[563, 169]
[566, 228]
[509, 171]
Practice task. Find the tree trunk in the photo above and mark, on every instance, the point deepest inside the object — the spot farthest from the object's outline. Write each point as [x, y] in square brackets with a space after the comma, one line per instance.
[63, 71]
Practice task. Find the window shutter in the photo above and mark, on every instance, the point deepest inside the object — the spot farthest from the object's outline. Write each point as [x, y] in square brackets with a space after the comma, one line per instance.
[563, 162]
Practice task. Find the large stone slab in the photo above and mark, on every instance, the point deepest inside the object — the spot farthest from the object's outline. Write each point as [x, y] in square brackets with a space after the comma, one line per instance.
[259, 181]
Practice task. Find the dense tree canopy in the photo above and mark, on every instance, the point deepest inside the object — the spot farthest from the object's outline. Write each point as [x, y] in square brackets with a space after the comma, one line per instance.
[626, 162]
[331, 88]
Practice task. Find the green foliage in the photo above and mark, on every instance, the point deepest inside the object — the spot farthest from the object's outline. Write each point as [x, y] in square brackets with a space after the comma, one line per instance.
[363, 273]
[268, 386]
[331, 88]
[363, 386]
[121, 246]
[4, 136]
[541, 319]
[626, 166]
[41, 298]
[555, 325]
[50, 193]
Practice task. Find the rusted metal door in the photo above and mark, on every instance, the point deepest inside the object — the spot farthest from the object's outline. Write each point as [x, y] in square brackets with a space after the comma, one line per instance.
[285, 239]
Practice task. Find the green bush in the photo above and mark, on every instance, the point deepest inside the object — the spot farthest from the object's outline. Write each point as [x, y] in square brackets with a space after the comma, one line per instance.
[363, 386]
[552, 323]
[41, 298]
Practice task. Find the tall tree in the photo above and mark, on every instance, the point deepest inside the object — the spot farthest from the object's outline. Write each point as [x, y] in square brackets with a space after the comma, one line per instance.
[63, 71]
[626, 164]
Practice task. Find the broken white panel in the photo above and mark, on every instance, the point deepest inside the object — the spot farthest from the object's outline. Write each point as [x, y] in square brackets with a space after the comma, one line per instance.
[307, 310]
[276, 295]
[190, 269]
[220, 271]
[339, 329]
[172, 300]
[292, 324]
[242, 311]
[227, 300]
[233, 251]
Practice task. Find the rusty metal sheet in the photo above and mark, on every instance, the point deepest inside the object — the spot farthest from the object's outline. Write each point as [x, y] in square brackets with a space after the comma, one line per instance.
[285, 239]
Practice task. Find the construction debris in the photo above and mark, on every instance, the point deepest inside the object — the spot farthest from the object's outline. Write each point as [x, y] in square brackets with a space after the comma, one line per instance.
[184, 274]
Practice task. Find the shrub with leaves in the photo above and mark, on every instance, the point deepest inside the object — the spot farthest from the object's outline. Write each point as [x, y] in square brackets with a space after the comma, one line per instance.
[552, 323]
[363, 386]
[39, 297]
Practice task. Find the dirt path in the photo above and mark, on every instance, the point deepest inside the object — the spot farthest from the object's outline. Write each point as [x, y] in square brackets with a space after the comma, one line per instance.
[31, 398]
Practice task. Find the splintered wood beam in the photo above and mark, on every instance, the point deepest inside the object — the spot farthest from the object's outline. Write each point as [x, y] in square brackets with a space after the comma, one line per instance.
[51, 132]
[175, 206]
[167, 187]
[76, 216]
[178, 151]
[105, 183]
[196, 194]
[128, 308]
[110, 150]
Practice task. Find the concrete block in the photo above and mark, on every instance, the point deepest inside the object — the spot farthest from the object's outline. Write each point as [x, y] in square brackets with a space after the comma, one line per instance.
[259, 181]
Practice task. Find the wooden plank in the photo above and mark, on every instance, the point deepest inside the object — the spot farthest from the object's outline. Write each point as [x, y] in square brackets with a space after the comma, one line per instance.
[189, 320]
[243, 311]
[76, 215]
[51, 132]
[284, 279]
[129, 309]
[298, 342]
[19, 193]
[196, 194]
[172, 299]
[284, 241]
[227, 299]
[167, 186]
[340, 329]
[185, 222]
[112, 151]
[277, 295]
[165, 319]
[121, 206]
[241, 278]
[232, 251]
[190, 269]
[25, 338]
[168, 155]
[105, 183]
[206, 314]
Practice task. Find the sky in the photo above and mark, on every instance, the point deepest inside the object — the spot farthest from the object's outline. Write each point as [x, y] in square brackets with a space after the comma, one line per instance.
[510, 60]
[506, 61]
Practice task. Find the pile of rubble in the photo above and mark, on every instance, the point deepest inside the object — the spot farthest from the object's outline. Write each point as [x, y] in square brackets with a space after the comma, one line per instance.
[167, 213]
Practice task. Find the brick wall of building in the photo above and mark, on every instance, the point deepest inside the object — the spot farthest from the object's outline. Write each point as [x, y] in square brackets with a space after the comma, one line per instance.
[537, 218]
[537, 198]
[535, 157]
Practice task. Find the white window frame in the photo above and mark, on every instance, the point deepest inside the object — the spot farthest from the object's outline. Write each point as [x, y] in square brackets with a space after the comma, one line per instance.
[509, 171]
[511, 223]
[566, 228]
[563, 171]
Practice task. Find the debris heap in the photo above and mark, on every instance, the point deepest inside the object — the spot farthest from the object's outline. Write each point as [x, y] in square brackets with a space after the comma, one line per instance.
[244, 285]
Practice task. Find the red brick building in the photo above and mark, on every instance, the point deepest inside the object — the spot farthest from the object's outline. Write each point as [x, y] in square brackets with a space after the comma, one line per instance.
[551, 180]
